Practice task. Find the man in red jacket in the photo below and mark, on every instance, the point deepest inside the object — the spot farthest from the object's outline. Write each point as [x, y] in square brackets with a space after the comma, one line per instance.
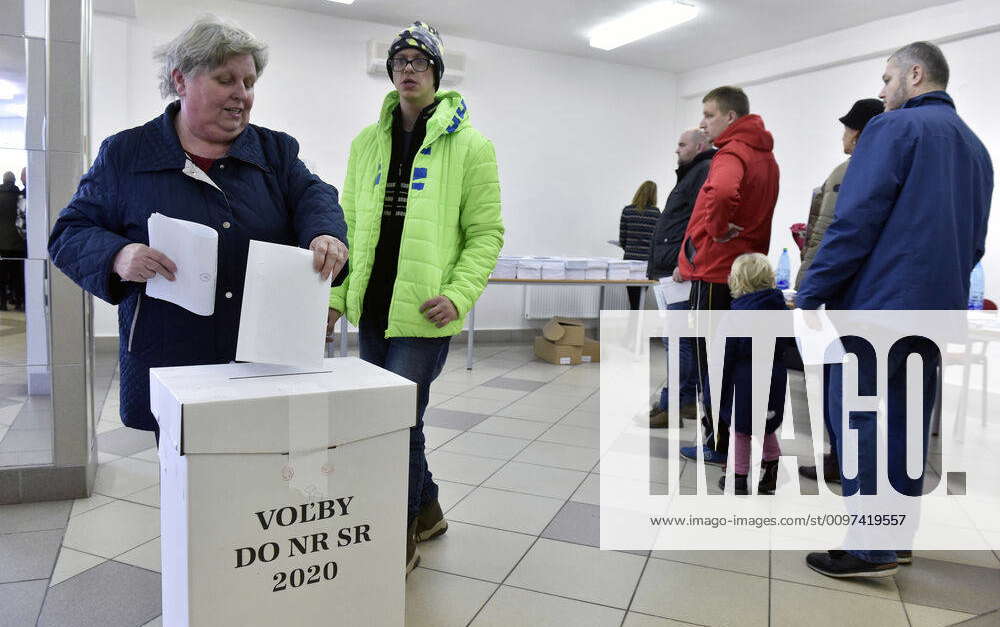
[731, 216]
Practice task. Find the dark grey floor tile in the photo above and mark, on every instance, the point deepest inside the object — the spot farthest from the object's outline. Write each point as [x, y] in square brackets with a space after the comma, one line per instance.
[451, 419]
[34, 516]
[510, 383]
[579, 523]
[986, 620]
[659, 447]
[20, 602]
[29, 555]
[107, 595]
[948, 585]
[125, 441]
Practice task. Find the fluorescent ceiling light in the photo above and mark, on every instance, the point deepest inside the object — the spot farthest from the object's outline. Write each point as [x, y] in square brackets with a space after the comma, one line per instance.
[342, 1]
[641, 23]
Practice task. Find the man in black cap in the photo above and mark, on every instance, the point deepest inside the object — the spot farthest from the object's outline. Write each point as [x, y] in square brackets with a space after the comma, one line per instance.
[422, 196]
[820, 216]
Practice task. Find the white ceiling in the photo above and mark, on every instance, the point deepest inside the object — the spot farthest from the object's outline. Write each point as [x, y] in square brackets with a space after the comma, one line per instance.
[723, 30]
[12, 70]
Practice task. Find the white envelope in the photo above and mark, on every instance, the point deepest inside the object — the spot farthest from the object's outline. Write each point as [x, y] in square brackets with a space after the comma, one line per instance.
[285, 302]
[674, 292]
[194, 248]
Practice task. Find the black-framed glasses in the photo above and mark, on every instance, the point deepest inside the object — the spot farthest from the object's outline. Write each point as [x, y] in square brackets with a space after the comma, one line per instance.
[419, 64]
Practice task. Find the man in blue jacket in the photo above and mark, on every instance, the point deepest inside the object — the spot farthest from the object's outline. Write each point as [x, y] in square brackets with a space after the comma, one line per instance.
[909, 226]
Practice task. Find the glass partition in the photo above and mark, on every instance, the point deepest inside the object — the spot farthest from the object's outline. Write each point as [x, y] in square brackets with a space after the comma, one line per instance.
[48, 449]
[26, 423]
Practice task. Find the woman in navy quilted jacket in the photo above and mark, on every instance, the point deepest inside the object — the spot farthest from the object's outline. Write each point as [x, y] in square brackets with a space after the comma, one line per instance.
[200, 161]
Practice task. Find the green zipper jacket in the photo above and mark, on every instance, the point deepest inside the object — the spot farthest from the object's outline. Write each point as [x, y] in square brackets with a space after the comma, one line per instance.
[452, 233]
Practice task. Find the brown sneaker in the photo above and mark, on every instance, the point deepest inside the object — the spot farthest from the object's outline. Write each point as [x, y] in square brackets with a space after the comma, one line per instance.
[430, 522]
[659, 419]
[412, 555]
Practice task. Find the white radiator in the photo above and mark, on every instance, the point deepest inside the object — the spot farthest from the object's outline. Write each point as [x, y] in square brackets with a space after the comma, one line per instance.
[575, 301]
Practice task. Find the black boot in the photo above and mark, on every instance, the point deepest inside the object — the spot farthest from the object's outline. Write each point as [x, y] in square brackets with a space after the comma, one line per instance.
[768, 477]
[739, 484]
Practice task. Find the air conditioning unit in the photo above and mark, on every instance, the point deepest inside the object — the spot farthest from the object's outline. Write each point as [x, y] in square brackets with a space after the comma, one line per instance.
[454, 62]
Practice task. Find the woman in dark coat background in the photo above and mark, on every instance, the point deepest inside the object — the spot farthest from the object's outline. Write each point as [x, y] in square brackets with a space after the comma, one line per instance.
[200, 161]
[635, 230]
[12, 246]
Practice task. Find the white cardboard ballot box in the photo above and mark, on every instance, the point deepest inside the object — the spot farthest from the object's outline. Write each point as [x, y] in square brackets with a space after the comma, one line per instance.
[283, 493]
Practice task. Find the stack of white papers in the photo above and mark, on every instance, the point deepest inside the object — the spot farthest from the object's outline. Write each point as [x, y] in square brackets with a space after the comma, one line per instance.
[619, 270]
[553, 268]
[576, 269]
[597, 269]
[194, 249]
[285, 302]
[529, 268]
[637, 270]
[506, 268]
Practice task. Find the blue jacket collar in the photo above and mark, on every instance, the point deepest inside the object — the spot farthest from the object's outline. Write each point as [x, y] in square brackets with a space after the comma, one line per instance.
[162, 148]
[770, 298]
[930, 98]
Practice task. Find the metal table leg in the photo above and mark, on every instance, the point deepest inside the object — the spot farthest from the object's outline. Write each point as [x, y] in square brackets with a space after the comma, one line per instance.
[471, 338]
[343, 336]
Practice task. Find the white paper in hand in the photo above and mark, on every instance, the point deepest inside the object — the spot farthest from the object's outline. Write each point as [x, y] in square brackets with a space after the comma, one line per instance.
[675, 292]
[818, 340]
[194, 248]
[285, 302]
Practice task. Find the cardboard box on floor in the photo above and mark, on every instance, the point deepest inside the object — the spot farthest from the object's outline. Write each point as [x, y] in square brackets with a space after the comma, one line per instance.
[591, 352]
[283, 493]
[559, 354]
[564, 331]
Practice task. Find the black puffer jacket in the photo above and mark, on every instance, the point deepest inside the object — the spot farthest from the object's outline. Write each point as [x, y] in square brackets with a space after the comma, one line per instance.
[665, 244]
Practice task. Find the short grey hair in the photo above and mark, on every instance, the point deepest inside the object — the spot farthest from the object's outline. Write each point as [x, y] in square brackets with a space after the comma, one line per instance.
[204, 46]
[927, 56]
[697, 136]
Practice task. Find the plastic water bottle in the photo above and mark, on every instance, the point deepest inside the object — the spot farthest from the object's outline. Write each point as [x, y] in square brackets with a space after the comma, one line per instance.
[977, 285]
[784, 271]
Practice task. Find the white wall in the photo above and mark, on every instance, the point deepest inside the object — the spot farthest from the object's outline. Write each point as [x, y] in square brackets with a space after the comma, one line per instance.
[574, 137]
[801, 90]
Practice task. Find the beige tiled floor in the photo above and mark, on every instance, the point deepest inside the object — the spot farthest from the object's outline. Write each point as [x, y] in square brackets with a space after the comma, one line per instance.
[511, 484]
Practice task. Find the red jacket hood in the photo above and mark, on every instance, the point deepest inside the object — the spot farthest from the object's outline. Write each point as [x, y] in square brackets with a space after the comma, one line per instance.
[748, 130]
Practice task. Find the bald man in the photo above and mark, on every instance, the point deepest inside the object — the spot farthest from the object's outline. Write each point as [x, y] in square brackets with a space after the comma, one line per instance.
[694, 153]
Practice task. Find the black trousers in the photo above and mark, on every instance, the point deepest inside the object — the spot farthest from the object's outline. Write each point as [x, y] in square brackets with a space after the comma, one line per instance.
[634, 292]
[707, 296]
[12, 278]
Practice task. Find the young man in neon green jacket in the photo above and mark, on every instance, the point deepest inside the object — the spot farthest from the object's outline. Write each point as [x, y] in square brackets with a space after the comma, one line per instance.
[422, 202]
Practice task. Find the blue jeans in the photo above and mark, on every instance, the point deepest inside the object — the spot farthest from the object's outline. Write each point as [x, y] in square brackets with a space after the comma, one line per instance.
[865, 423]
[688, 375]
[419, 359]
